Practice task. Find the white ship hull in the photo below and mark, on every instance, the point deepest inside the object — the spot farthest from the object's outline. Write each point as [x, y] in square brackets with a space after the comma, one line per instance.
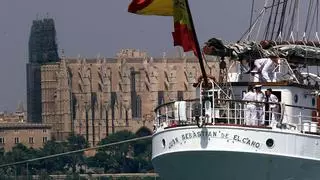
[235, 153]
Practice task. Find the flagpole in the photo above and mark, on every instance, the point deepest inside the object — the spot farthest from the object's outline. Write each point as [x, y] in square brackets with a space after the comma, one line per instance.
[203, 71]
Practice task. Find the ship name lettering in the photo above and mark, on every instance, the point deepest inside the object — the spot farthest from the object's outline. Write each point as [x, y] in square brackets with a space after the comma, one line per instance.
[247, 141]
[173, 142]
[193, 134]
[212, 134]
[225, 135]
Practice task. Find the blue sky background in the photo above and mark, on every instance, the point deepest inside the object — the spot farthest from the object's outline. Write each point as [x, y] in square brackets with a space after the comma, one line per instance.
[102, 26]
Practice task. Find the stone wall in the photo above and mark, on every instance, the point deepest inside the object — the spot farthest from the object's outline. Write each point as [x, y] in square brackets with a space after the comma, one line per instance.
[96, 97]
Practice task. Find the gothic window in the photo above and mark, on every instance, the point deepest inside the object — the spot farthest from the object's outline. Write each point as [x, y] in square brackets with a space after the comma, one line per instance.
[93, 100]
[74, 106]
[138, 111]
[133, 80]
[113, 102]
[137, 81]
[120, 111]
[127, 119]
[180, 95]
[160, 97]
[107, 122]
[134, 96]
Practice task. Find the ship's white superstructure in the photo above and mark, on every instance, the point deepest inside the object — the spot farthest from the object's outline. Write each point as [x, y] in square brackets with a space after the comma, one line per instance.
[221, 135]
[207, 138]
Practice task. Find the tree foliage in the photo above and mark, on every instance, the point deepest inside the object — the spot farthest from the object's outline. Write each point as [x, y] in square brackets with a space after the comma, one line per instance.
[124, 158]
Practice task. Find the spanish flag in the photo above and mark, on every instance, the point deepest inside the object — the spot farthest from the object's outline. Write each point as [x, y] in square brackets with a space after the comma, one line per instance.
[152, 7]
[183, 30]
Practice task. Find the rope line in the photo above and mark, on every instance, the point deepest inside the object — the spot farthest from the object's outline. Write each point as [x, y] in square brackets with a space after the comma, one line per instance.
[75, 151]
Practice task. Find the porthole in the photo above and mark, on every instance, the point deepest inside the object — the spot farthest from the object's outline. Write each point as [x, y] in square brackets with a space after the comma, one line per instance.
[270, 143]
[296, 98]
[313, 101]
[163, 143]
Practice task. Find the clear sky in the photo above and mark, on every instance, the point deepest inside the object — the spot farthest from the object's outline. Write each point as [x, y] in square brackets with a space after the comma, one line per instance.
[89, 27]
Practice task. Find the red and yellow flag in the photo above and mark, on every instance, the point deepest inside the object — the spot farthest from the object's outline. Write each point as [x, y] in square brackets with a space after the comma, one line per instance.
[183, 32]
[152, 7]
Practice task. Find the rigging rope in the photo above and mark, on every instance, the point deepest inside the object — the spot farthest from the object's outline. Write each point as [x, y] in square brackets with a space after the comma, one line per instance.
[275, 20]
[312, 21]
[317, 23]
[292, 24]
[263, 13]
[269, 21]
[298, 17]
[249, 30]
[252, 7]
[76, 151]
[287, 34]
[308, 15]
[282, 19]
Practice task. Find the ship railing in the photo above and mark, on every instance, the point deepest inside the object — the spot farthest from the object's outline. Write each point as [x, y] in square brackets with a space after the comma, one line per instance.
[301, 118]
[283, 71]
[306, 124]
[234, 112]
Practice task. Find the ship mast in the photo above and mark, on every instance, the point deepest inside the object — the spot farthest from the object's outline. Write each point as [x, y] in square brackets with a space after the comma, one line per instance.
[198, 51]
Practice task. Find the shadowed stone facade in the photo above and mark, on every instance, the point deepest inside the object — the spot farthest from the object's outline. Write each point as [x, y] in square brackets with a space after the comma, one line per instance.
[96, 97]
[42, 49]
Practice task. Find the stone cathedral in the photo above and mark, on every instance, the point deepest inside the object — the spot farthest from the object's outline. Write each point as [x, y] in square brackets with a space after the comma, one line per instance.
[97, 97]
